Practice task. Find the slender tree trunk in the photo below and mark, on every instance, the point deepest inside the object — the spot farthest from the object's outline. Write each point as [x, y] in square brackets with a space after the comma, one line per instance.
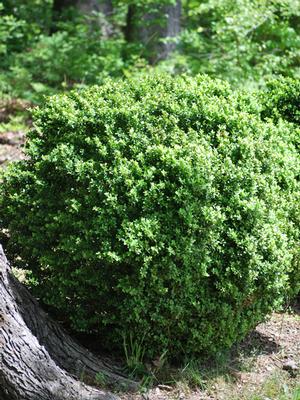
[130, 27]
[59, 5]
[38, 360]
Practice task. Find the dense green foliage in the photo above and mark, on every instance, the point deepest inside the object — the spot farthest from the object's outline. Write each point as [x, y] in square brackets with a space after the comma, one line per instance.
[281, 99]
[244, 41]
[44, 64]
[157, 211]
[44, 51]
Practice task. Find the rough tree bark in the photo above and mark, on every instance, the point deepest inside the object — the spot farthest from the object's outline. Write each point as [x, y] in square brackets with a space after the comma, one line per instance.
[38, 360]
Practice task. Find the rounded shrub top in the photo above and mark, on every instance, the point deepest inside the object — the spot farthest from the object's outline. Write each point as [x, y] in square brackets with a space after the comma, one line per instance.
[154, 212]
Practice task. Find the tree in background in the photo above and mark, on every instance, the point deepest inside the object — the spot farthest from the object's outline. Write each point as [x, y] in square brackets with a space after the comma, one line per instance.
[62, 43]
[155, 26]
[87, 8]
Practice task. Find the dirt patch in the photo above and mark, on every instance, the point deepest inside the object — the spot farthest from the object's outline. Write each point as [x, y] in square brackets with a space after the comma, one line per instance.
[262, 356]
[10, 107]
[11, 147]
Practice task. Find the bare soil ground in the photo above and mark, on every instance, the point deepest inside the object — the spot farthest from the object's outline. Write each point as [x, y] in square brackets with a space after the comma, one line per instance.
[11, 147]
[269, 354]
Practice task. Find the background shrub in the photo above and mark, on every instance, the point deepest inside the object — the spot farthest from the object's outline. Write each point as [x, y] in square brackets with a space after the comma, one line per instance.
[76, 54]
[155, 211]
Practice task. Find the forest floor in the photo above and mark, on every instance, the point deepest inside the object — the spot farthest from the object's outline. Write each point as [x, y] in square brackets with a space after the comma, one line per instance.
[266, 366]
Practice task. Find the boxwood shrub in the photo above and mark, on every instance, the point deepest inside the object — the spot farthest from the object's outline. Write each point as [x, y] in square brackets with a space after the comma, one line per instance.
[281, 99]
[157, 212]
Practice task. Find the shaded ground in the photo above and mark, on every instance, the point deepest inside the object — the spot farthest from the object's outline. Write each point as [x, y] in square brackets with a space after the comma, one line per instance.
[11, 146]
[268, 361]
[14, 122]
[263, 363]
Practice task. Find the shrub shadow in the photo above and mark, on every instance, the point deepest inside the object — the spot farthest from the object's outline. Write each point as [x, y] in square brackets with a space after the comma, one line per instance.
[256, 343]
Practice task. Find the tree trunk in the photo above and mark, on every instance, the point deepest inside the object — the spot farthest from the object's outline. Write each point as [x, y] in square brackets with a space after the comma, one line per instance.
[59, 5]
[156, 29]
[130, 27]
[88, 7]
[104, 7]
[172, 28]
[38, 360]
